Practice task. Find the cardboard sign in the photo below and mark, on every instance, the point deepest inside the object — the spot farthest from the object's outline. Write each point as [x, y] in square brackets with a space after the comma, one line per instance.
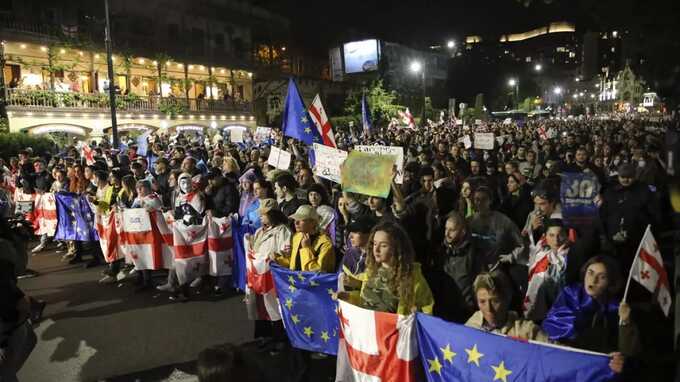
[367, 174]
[484, 141]
[396, 151]
[328, 161]
[279, 158]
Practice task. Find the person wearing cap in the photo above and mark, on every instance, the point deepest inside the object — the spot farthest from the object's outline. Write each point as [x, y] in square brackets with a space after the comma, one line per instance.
[626, 209]
[270, 240]
[311, 249]
[354, 261]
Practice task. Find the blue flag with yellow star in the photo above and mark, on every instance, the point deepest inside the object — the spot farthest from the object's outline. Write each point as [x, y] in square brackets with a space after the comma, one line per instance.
[308, 309]
[296, 122]
[453, 352]
[75, 220]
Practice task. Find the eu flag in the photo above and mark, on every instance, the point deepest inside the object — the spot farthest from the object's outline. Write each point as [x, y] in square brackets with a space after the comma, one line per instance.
[296, 121]
[308, 309]
[453, 352]
[75, 220]
[365, 115]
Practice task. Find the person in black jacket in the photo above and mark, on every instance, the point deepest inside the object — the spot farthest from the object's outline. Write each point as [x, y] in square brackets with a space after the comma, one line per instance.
[222, 198]
[517, 204]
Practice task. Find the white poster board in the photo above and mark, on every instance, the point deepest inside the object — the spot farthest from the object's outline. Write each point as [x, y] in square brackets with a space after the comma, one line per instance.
[397, 151]
[328, 161]
[484, 141]
[279, 158]
[465, 140]
[236, 135]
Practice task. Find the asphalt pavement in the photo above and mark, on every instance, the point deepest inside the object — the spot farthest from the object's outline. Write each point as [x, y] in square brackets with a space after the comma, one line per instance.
[95, 332]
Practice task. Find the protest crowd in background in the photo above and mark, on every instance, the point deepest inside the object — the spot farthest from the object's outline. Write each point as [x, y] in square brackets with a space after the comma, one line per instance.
[528, 230]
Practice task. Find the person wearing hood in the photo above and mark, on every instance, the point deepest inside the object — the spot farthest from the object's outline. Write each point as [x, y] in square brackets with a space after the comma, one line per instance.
[189, 204]
[248, 197]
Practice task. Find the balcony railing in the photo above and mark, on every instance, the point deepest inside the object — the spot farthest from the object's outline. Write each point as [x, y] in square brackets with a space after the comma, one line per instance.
[47, 99]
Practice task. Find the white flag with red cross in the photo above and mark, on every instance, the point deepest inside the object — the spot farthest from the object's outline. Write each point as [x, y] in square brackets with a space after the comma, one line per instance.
[649, 271]
[220, 246]
[141, 241]
[191, 249]
[107, 227]
[46, 214]
[375, 346]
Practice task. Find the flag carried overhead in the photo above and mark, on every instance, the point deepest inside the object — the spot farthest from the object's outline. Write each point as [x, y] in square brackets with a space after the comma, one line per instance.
[648, 270]
[75, 220]
[296, 121]
[320, 119]
[366, 115]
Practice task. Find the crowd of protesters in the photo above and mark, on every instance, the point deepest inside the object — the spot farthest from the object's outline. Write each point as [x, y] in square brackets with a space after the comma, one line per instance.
[454, 239]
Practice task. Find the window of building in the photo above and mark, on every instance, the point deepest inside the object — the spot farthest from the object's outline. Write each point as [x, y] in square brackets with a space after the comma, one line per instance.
[613, 49]
[560, 49]
[528, 59]
[12, 73]
[572, 54]
[197, 40]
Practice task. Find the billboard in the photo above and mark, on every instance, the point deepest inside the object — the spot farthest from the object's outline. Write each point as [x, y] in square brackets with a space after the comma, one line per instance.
[361, 56]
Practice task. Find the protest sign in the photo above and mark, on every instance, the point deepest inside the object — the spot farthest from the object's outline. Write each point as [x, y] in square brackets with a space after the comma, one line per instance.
[484, 141]
[367, 174]
[465, 140]
[577, 195]
[262, 134]
[279, 158]
[397, 152]
[236, 135]
[328, 161]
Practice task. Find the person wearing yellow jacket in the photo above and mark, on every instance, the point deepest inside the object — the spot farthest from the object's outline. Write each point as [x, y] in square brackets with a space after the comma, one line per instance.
[311, 249]
[393, 282]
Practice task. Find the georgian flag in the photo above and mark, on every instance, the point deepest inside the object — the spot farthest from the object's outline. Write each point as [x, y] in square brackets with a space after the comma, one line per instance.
[141, 240]
[375, 346]
[220, 246]
[541, 259]
[45, 214]
[107, 225]
[649, 271]
[320, 119]
[191, 249]
[88, 154]
[407, 119]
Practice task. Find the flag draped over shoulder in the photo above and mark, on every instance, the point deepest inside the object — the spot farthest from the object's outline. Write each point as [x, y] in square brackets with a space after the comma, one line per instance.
[375, 346]
[220, 246]
[108, 230]
[75, 220]
[190, 244]
[46, 214]
[296, 121]
[307, 308]
[453, 352]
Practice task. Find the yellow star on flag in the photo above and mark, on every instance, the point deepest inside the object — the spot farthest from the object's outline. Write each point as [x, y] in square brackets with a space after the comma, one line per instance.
[501, 372]
[435, 366]
[324, 336]
[308, 331]
[448, 354]
[474, 355]
[292, 288]
[289, 303]
[291, 279]
[301, 277]
[313, 283]
[330, 291]
[295, 319]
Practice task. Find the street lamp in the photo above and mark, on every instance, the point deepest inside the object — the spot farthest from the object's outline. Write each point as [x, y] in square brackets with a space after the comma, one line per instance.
[451, 44]
[538, 67]
[416, 67]
[557, 90]
[513, 83]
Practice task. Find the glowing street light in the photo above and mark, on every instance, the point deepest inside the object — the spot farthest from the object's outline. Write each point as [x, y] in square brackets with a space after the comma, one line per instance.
[538, 67]
[416, 67]
[557, 90]
[451, 44]
[512, 82]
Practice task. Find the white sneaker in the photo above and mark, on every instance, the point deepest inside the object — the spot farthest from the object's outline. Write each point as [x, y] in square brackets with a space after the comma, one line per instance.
[38, 248]
[107, 280]
[165, 288]
[121, 276]
[197, 282]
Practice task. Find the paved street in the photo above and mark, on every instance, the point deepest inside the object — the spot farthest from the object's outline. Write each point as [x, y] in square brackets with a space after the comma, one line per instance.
[94, 332]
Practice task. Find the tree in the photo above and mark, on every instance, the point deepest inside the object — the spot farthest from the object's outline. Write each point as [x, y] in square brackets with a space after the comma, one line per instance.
[381, 102]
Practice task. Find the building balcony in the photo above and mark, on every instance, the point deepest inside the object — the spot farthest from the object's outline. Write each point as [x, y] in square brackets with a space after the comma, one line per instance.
[46, 100]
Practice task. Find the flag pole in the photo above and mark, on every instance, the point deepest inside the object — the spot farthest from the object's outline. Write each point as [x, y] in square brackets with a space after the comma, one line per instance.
[630, 273]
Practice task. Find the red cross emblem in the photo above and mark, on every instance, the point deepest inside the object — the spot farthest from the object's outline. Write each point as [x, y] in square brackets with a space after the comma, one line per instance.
[644, 275]
[192, 235]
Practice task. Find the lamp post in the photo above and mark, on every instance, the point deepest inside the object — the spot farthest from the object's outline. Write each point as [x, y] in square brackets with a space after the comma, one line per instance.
[112, 87]
[416, 67]
[513, 83]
